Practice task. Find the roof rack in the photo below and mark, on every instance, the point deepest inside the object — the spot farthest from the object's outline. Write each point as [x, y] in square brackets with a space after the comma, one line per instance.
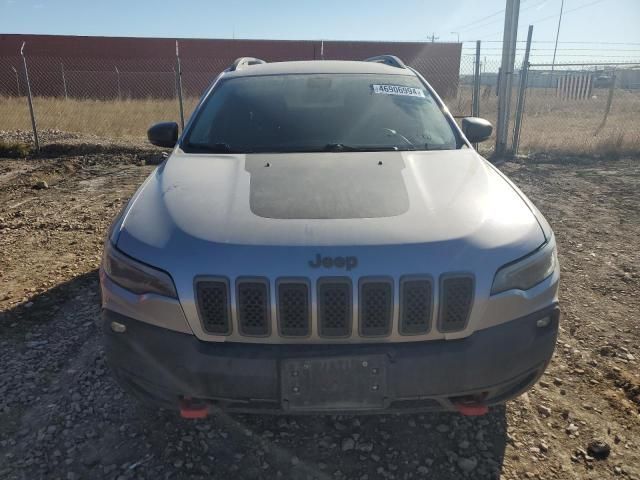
[245, 62]
[390, 60]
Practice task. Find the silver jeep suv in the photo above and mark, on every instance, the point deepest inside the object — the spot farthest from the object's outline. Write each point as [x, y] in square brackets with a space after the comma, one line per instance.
[324, 238]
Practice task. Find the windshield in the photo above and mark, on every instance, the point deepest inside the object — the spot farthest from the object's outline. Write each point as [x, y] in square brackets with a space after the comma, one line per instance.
[320, 112]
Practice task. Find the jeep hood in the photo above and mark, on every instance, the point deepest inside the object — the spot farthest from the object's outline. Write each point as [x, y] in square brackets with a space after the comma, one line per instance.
[448, 203]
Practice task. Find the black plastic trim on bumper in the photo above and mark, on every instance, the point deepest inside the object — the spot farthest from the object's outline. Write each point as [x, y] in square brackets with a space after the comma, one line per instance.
[160, 365]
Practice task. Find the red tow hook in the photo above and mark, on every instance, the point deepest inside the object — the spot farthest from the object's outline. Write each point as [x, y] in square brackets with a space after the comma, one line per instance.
[469, 410]
[471, 405]
[193, 408]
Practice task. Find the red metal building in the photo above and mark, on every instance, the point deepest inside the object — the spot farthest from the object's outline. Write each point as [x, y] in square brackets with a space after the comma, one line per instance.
[108, 67]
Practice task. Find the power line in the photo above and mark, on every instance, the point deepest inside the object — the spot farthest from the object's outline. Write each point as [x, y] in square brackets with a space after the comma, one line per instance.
[544, 19]
[617, 50]
[462, 27]
[590, 43]
[575, 43]
[555, 48]
[565, 13]
[493, 15]
[551, 41]
[498, 19]
[547, 55]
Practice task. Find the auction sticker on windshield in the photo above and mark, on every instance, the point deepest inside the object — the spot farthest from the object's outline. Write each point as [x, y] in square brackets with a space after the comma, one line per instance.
[398, 90]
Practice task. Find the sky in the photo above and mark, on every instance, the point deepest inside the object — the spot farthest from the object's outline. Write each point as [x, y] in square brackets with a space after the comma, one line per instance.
[606, 28]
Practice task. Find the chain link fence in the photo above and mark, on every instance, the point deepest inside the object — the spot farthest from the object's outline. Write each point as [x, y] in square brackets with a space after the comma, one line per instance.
[120, 99]
[582, 109]
[578, 109]
[485, 79]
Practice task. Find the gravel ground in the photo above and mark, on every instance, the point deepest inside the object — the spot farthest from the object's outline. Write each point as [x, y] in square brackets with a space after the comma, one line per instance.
[62, 415]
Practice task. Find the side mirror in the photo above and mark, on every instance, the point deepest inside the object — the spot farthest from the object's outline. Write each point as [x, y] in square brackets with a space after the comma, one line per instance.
[476, 129]
[163, 134]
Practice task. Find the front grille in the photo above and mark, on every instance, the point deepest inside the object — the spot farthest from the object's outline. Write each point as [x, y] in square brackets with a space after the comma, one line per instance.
[415, 306]
[334, 307]
[253, 307]
[294, 309]
[330, 313]
[213, 305]
[455, 303]
[376, 308]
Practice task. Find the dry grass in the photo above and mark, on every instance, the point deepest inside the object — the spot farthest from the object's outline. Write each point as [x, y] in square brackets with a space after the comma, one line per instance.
[569, 126]
[550, 124]
[128, 119]
[10, 149]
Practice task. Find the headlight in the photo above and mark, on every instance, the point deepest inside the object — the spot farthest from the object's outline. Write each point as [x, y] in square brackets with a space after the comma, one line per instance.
[528, 271]
[135, 276]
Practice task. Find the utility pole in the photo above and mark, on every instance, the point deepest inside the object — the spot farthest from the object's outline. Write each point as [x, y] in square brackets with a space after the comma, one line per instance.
[553, 63]
[433, 37]
[457, 34]
[509, 42]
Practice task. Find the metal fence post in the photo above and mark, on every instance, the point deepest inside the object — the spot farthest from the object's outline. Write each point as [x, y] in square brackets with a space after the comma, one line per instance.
[64, 81]
[118, 82]
[475, 107]
[475, 99]
[524, 73]
[175, 81]
[33, 117]
[15, 71]
[612, 87]
[179, 78]
[475, 104]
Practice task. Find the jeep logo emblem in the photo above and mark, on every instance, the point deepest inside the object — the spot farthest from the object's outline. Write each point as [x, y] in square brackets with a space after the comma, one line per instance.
[330, 262]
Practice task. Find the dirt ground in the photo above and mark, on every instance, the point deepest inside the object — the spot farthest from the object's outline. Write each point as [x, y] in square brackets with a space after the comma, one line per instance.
[62, 415]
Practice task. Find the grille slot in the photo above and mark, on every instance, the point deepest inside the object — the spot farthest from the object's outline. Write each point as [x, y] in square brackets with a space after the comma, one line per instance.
[213, 305]
[455, 305]
[416, 300]
[253, 307]
[334, 307]
[293, 309]
[376, 308]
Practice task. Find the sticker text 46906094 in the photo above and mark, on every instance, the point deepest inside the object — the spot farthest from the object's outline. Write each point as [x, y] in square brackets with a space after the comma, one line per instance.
[398, 90]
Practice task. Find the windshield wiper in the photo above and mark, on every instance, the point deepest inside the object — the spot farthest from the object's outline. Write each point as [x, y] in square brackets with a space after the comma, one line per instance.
[212, 148]
[341, 147]
[438, 147]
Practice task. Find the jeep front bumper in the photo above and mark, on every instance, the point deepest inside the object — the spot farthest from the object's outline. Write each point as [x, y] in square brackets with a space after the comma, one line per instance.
[494, 365]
